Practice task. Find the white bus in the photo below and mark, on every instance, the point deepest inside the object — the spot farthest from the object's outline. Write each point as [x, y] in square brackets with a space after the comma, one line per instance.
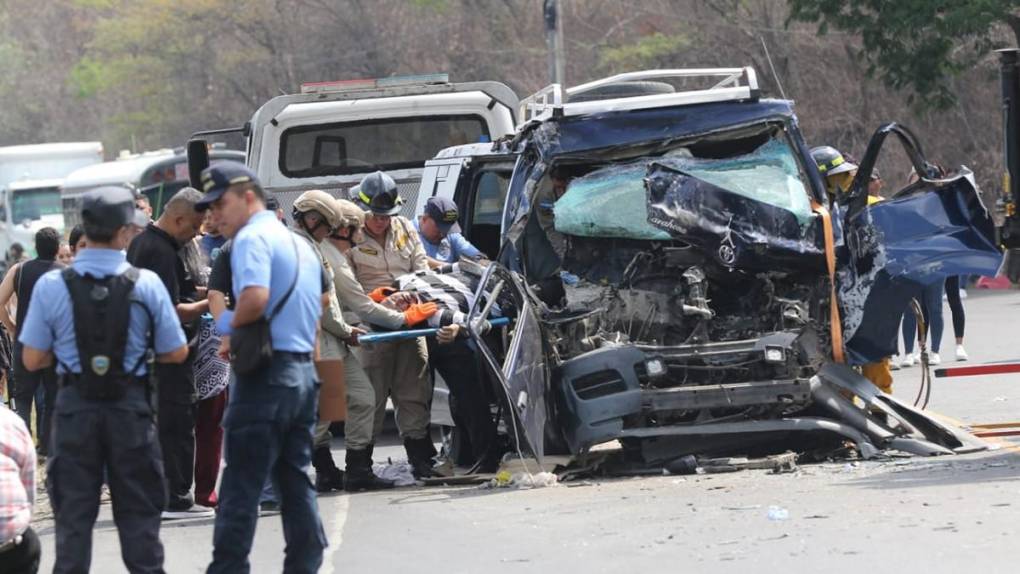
[30, 180]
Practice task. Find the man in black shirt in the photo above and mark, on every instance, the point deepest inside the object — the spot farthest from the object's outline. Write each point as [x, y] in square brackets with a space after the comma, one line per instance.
[157, 249]
[20, 280]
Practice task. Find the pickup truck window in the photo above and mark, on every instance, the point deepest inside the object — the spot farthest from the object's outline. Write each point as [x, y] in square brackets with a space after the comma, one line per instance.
[490, 196]
[383, 144]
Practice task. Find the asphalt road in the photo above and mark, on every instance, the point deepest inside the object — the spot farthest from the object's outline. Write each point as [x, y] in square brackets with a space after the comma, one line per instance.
[954, 514]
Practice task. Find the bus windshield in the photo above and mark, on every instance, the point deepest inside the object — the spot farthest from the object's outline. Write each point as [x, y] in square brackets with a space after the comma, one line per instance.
[30, 204]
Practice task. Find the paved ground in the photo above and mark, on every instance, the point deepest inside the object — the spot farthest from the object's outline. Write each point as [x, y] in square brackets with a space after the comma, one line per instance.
[954, 514]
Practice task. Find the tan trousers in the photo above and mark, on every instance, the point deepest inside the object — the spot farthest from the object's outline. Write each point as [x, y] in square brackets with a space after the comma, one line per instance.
[399, 370]
[361, 412]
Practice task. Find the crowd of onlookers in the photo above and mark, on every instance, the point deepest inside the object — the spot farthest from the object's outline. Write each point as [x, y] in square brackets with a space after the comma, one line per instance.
[379, 271]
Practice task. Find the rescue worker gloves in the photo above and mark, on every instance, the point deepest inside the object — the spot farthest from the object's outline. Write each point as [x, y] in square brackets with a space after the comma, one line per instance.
[379, 294]
[419, 312]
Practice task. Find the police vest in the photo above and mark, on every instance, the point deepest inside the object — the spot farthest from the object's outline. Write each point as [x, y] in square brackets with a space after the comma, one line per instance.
[102, 316]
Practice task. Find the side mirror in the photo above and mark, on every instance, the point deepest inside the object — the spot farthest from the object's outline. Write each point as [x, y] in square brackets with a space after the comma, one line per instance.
[198, 159]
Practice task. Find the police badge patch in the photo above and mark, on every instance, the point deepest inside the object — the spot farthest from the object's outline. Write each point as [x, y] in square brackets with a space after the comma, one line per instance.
[100, 364]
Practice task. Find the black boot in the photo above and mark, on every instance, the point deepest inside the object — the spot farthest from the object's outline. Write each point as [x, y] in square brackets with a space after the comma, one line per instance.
[359, 475]
[419, 456]
[327, 476]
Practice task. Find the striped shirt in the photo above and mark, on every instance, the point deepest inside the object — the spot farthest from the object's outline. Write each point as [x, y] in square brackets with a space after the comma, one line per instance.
[17, 476]
[453, 293]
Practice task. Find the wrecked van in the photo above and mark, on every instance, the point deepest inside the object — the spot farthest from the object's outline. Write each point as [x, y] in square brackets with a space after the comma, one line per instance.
[679, 282]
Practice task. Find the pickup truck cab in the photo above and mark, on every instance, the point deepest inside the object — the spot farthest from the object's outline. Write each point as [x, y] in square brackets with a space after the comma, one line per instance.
[477, 178]
[332, 134]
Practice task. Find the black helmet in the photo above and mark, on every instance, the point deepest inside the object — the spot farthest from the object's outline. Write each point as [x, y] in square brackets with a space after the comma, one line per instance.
[377, 193]
[830, 161]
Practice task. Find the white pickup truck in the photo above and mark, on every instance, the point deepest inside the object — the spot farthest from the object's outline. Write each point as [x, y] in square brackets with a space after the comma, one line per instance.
[332, 134]
[30, 180]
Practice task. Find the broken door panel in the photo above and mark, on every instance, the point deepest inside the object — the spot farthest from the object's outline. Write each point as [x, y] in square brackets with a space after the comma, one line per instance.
[515, 357]
[930, 230]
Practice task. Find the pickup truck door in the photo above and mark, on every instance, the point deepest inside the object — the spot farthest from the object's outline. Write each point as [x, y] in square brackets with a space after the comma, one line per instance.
[514, 355]
[931, 229]
[481, 198]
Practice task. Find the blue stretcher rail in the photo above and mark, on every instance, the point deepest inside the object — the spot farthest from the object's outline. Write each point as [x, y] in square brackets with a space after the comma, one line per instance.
[415, 333]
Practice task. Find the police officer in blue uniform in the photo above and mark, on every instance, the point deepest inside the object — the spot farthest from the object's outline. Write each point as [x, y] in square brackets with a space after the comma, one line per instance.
[103, 420]
[271, 413]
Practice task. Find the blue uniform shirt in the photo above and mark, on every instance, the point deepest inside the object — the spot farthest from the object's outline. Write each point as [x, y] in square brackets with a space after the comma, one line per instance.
[263, 256]
[49, 324]
[450, 248]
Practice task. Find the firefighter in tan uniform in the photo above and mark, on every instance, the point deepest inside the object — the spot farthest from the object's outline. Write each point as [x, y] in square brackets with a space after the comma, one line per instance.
[358, 308]
[316, 217]
[399, 369]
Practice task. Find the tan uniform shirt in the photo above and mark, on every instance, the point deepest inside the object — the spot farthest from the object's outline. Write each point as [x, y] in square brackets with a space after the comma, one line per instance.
[356, 305]
[334, 328]
[378, 265]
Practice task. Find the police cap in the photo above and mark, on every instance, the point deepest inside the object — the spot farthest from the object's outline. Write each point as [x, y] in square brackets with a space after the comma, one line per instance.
[443, 211]
[218, 177]
[111, 208]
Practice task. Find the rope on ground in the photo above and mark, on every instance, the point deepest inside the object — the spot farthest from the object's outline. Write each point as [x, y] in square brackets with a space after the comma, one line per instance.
[924, 391]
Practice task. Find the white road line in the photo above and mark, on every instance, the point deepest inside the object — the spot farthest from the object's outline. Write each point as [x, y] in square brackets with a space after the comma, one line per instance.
[335, 531]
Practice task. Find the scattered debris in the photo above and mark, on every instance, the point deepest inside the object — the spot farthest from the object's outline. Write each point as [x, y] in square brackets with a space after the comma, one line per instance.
[504, 479]
[397, 472]
[778, 513]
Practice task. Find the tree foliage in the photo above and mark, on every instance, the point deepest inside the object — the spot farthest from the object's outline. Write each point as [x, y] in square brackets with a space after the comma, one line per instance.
[145, 74]
[916, 45]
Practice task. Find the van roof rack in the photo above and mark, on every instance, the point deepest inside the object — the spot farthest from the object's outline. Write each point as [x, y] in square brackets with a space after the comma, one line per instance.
[734, 84]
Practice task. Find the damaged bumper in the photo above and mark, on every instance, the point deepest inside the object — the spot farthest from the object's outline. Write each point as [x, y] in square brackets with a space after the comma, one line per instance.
[606, 391]
[609, 394]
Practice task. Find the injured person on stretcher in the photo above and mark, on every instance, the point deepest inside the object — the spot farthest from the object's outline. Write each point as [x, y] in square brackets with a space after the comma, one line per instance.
[452, 355]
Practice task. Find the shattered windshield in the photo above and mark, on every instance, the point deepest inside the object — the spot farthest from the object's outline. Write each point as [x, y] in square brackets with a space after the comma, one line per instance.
[608, 202]
[612, 201]
[768, 174]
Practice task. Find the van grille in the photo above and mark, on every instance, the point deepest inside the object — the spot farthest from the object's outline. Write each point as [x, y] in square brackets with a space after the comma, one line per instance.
[600, 384]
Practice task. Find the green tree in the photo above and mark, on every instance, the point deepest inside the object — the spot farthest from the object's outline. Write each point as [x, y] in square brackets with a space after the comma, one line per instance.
[917, 45]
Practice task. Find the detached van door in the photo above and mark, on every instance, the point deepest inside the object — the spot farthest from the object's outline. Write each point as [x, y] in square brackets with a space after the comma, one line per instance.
[929, 230]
